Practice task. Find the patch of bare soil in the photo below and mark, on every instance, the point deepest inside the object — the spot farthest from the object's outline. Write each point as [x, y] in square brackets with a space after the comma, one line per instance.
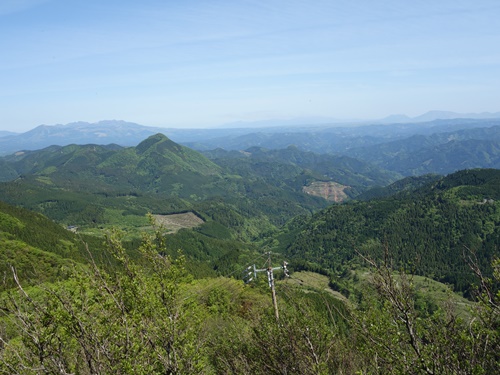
[331, 191]
[172, 223]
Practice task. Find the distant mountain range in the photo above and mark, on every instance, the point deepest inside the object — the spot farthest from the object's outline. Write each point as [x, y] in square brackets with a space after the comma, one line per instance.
[239, 135]
[391, 119]
[103, 132]
[413, 149]
[406, 148]
[4, 133]
[441, 153]
[438, 115]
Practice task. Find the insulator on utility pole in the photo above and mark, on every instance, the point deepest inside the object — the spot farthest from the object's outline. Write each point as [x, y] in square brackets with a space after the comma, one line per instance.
[285, 270]
[270, 278]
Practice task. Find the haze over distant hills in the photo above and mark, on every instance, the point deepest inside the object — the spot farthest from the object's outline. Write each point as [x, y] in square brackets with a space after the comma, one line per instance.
[438, 115]
[4, 133]
[391, 119]
[103, 132]
[130, 134]
[407, 146]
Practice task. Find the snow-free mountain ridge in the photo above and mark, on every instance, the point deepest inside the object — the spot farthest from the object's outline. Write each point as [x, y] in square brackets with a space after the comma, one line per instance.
[130, 134]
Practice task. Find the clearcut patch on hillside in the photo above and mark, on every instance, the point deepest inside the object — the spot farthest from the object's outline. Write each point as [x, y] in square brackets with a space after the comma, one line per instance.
[331, 191]
[174, 222]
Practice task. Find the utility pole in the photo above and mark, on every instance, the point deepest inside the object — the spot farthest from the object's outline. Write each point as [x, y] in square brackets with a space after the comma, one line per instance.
[252, 274]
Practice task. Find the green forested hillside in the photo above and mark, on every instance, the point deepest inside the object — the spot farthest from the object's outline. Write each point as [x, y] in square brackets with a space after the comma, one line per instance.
[160, 166]
[154, 305]
[141, 299]
[447, 158]
[99, 188]
[156, 164]
[356, 174]
[8, 173]
[39, 249]
[246, 198]
[407, 183]
[426, 230]
[93, 186]
[441, 153]
[148, 316]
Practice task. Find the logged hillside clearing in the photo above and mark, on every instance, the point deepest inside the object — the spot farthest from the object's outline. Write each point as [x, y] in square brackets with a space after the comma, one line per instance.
[331, 191]
[175, 222]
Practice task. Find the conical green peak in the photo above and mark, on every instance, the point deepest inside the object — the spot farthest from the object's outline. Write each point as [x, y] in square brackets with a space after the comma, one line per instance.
[150, 141]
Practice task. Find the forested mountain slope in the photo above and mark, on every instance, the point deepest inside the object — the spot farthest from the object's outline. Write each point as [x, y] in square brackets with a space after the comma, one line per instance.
[356, 175]
[407, 149]
[249, 196]
[146, 310]
[441, 153]
[426, 230]
[39, 249]
[80, 185]
[407, 183]
[95, 185]
[131, 168]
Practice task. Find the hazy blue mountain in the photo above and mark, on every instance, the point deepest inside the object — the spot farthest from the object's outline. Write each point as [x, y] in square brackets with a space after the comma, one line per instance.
[395, 119]
[103, 132]
[439, 115]
[4, 133]
[391, 119]
[449, 157]
[440, 153]
[320, 137]
[446, 115]
[336, 139]
[274, 123]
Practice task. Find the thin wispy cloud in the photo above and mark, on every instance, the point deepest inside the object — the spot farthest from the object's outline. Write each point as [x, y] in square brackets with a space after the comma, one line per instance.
[97, 52]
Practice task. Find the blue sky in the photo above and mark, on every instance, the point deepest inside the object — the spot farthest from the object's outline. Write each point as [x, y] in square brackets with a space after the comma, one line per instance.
[193, 63]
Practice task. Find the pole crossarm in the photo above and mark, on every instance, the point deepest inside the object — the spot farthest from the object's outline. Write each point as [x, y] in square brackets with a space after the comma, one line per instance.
[250, 274]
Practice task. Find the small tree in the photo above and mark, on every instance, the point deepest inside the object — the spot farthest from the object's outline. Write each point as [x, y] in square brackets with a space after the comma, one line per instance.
[129, 321]
[402, 340]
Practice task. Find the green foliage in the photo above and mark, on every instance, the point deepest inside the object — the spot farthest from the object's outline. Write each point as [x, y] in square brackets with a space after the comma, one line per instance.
[215, 230]
[400, 338]
[86, 185]
[39, 249]
[306, 340]
[33, 265]
[9, 223]
[295, 168]
[405, 184]
[133, 321]
[425, 229]
[148, 316]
